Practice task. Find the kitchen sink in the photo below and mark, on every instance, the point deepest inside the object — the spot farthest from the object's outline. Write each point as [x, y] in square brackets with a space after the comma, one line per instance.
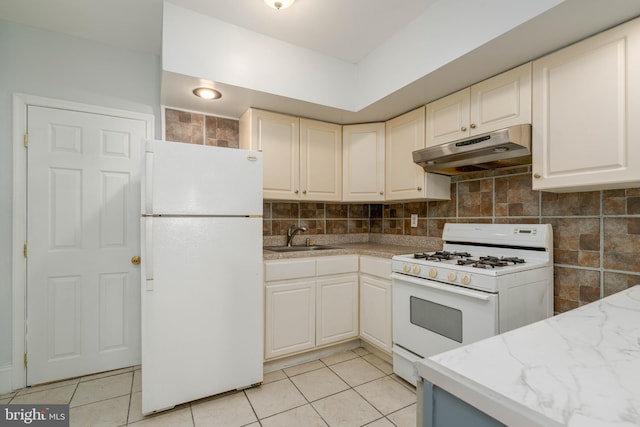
[298, 248]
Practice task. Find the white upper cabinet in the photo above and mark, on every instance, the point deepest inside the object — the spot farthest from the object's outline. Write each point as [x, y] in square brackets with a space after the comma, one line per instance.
[278, 137]
[404, 179]
[320, 160]
[586, 114]
[363, 162]
[302, 158]
[496, 103]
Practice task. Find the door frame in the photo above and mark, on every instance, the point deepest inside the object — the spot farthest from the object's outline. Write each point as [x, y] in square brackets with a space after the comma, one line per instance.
[18, 372]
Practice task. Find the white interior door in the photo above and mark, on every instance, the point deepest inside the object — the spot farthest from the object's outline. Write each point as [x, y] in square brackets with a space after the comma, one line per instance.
[83, 297]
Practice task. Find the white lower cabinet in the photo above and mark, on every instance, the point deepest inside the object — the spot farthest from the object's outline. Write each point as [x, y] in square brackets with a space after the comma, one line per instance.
[336, 309]
[290, 322]
[310, 302]
[375, 302]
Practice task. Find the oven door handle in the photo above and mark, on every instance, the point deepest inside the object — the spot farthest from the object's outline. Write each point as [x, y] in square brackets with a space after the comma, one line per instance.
[446, 288]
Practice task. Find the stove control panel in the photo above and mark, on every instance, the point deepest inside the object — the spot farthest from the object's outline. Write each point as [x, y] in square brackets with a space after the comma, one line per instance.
[453, 275]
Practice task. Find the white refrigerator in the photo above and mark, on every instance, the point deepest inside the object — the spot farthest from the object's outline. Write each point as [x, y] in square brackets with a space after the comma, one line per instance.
[202, 296]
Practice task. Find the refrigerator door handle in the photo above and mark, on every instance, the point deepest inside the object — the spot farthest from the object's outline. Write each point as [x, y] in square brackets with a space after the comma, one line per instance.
[148, 190]
[148, 264]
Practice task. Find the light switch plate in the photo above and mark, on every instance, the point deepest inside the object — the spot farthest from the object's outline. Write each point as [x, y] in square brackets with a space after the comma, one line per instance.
[414, 220]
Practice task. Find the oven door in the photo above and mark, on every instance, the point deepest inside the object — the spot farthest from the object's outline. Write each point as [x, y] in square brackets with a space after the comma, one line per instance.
[431, 317]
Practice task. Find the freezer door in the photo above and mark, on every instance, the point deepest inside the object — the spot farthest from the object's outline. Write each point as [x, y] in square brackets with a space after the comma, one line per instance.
[202, 308]
[186, 179]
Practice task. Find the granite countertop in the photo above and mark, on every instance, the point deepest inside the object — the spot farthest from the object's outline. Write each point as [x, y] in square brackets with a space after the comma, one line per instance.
[580, 368]
[373, 249]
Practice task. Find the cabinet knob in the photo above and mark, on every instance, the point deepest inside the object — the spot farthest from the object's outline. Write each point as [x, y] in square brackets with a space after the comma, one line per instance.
[537, 176]
[296, 192]
[304, 192]
[463, 129]
[473, 126]
[419, 188]
[382, 193]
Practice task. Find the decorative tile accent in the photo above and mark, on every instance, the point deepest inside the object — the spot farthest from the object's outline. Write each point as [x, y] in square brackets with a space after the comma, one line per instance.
[575, 287]
[312, 210]
[392, 222]
[475, 198]
[222, 132]
[514, 196]
[622, 202]
[571, 204]
[337, 226]
[195, 128]
[622, 244]
[576, 240]
[444, 208]
[337, 210]
[616, 282]
[184, 126]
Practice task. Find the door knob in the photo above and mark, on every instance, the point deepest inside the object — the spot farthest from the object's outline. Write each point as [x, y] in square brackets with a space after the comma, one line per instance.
[135, 260]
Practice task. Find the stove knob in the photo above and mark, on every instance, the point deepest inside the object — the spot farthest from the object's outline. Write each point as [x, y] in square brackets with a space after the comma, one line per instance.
[433, 273]
[406, 268]
[416, 269]
[452, 276]
[466, 279]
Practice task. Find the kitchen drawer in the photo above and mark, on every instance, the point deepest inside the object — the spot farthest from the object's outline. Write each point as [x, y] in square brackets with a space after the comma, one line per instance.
[375, 266]
[336, 265]
[289, 269]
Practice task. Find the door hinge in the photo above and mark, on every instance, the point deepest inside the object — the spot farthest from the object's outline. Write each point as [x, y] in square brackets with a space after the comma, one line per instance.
[25, 359]
[24, 250]
[25, 139]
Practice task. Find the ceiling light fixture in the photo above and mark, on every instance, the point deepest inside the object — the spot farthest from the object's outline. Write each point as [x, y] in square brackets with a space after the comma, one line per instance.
[207, 93]
[279, 4]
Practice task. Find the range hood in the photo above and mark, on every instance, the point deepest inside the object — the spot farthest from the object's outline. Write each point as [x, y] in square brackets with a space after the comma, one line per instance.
[502, 148]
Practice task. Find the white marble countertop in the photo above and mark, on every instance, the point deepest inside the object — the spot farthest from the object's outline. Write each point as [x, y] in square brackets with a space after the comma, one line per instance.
[580, 368]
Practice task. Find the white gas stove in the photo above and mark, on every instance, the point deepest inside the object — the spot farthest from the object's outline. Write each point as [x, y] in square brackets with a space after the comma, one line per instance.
[488, 279]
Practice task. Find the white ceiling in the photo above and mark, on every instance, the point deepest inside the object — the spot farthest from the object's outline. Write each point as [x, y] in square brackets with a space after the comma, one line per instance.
[345, 29]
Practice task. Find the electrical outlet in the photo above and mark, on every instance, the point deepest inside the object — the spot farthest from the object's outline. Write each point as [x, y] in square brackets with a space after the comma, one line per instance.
[414, 220]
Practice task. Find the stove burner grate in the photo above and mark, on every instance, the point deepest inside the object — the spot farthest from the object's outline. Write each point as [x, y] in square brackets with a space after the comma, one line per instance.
[493, 262]
[441, 255]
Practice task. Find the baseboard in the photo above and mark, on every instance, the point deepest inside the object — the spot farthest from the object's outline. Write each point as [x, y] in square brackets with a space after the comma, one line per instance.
[6, 379]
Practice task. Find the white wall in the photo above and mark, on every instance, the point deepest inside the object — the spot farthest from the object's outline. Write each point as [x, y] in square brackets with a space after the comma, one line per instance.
[53, 65]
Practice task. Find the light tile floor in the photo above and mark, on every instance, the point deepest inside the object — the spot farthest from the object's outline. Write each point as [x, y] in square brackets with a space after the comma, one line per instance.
[352, 388]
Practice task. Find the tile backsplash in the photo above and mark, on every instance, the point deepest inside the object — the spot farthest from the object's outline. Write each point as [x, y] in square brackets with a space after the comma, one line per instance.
[196, 128]
[596, 233]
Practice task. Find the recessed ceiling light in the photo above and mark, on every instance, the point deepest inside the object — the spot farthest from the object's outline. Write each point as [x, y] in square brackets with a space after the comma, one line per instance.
[279, 4]
[207, 93]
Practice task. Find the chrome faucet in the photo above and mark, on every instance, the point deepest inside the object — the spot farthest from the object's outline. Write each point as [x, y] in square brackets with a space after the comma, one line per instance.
[292, 231]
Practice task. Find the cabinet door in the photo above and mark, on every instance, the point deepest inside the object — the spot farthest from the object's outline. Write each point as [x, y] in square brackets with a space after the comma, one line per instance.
[336, 308]
[586, 132]
[375, 311]
[501, 101]
[320, 161]
[448, 118]
[289, 317]
[404, 134]
[278, 137]
[363, 162]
